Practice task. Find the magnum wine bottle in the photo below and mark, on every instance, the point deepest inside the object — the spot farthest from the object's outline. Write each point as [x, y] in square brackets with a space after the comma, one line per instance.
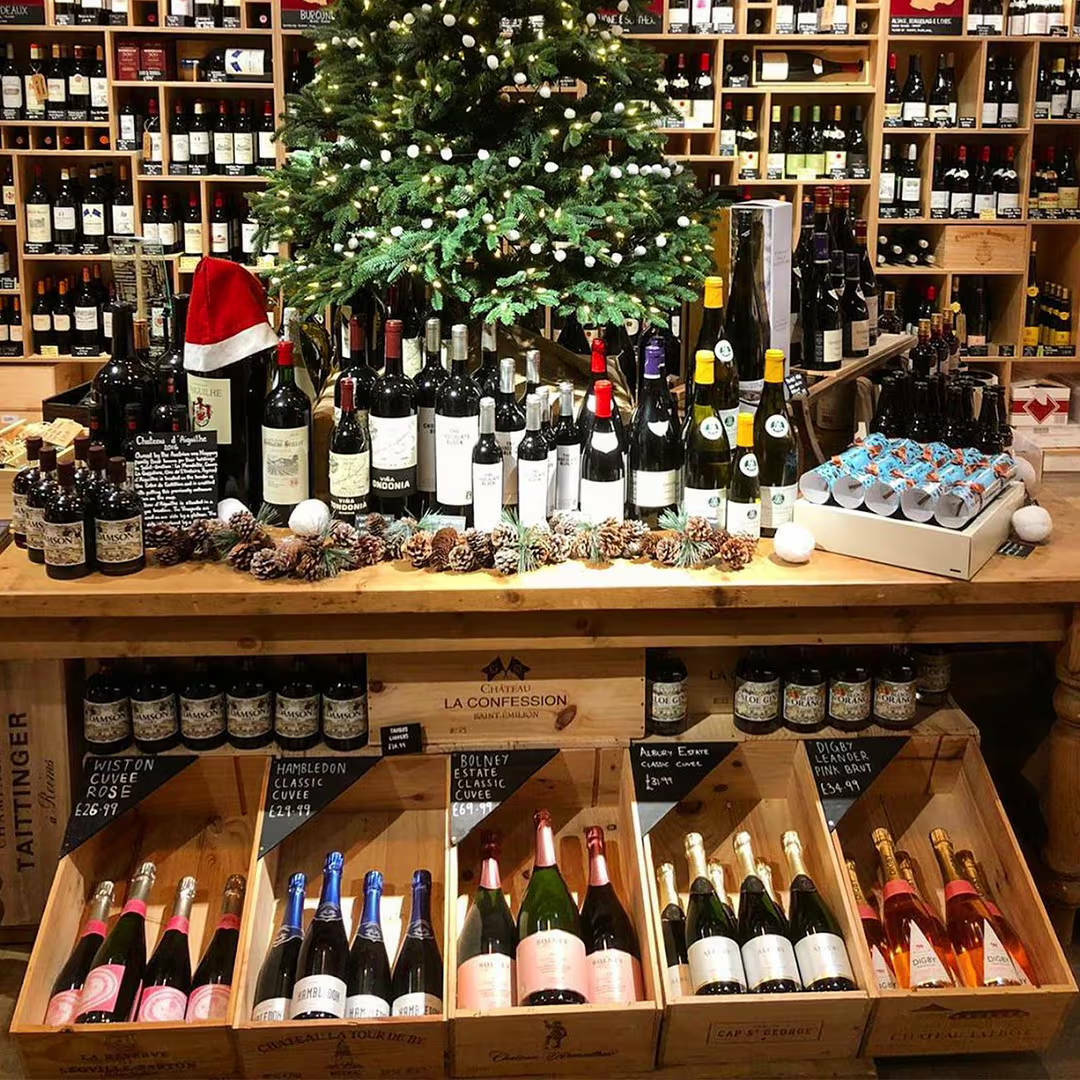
[319, 991]
[716, 965]
[417, 985]
[874, 933]
[747, 322]
[367, 974]
[211, 985]
[673, 927]
[551, 953]
[111, 990]
[277, 976]
[167, 982]
[487, 944]
[64, 996]
[819, 944]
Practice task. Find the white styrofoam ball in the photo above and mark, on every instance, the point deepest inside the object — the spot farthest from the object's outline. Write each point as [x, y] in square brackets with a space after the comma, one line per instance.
[661, 241]
[639, 250]
[586, 171]
[310, 517]
[396, 230]
[492, 61]
[590, 261]
[633, 169]
[462, 214]
[365, 164]
[408, 18]
[412, 150]
[426, 223]
[545, 90]
[354, 243]
[551, 167]
[620, 107]
[616, 258]
[536, 247]
[1026, 471]
[339, 248]
[793, 543]
[513, 161]
[227, 507]
[683, 222]
[385, 155]
[560, 255]
[488, 219]
[468, 40]
[449, 20]
[446, 153]
[569, 114]
[483, 154]
[616, 172]
[513, 235]
[520, 78]
[1033, 524]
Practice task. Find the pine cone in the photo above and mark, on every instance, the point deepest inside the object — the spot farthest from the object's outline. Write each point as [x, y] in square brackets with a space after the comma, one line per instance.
[374, 524]
[461, 559]
[204, 536]
[442, 543]
[563, 522]
[506, 559]
[241, 554]
[480, 542]
[632, 532]
[342, 533]
[648, 544]
[176, 551]
[581, 545]
[267, 564]
[698, 529]
[538, 542]
[562, 546]
[161, 534]
[737, 551]
[394, 544]
[667, 550]
[369, 549]
[289, 551]
[503, 534]
[611, 540]
[245, 526]
[418, 549]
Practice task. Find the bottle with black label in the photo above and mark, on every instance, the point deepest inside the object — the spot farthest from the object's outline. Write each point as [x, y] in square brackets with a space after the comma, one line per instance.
[850, 694]
[202, 709]
[344, 705]
[933, 667]
[665, 693]
[106, 711]
[249, 708]
[804, 695]
[757, 694]
[155, 720]
[296, 710]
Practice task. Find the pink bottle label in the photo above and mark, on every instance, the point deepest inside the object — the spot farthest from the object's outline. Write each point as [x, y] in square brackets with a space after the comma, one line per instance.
[63, 1008]
[162, 1003]
[210, 1002]
[486, 982]
[614, 977]
[551, 960]
[101, 988]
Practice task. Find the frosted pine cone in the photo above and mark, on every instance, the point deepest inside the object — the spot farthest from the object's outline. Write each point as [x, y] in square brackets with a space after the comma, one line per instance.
[667, 550]
[648, 544]
[267, 564]
[368, 549]
[204, 536]
[562, 522]
[461, 559]
[581, 545]
[737, 551]
[442, 543]
[562, 546]
[374, 524]
[418, 549]
[611, 539]
[503, 534]
[538, 543]
[506, 559]
[290, 550]
[342, 533]
[245, 526]
[632, 532]
[480, 542]
[241, 555]
[161, 534]
[698, 529]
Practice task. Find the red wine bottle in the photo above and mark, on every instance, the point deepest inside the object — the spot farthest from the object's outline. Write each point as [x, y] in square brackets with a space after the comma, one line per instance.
[212, 982]
[111, 990]
[64, 998]
[273, 991]
[168, 975]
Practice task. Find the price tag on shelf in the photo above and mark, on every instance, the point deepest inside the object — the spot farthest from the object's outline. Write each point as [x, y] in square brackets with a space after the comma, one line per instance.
[188, 263]
[402, 739]
[844, 768]
[482, 780]
[666, 772]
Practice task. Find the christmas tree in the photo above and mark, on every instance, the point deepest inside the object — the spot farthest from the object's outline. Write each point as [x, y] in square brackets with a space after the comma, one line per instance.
[505, 151]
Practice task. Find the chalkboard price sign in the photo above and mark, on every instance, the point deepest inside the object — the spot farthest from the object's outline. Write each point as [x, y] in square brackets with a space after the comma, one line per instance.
[844, 768]
[402, 739]
[665, 773]
[482, 780]
[176, 476]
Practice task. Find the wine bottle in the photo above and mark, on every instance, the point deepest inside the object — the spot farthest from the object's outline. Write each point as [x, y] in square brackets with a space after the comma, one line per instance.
[486, 376]
[167, 982]
[392, 426]
[350, 459]
[715, 960]
[981, 957]
[801, 67]
[567, 452]
[457, 429]
[767, 953]
[274, 987]
[547, 429]
[367, 974]
[655, 454]
[428, 380]
[551, 967]
[509, 429]
[68, 550]
[602, 471]
[211, 985]
[819, 944]
[532, 467]
[417, 984]
[487, 481]
[747, 315]
[711, 335]
[776, 446]
[487, 944]
[111, 990]
[673, 929]
[919, 948]
[874, 932]
[744, 491]
[67, 988]
[824, 315]
[716, 876]
[913, 95]
[319, 992]
[707, 453]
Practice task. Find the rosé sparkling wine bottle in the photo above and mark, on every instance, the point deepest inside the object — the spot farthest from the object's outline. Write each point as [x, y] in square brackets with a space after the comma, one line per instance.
[64, 999]
[167, 981]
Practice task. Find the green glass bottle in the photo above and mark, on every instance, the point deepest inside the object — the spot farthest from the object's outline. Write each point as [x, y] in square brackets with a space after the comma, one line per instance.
[707, 457]
[716, 965]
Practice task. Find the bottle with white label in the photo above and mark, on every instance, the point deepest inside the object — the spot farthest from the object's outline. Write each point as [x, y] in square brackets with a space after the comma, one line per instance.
[673, 928]
[487, 470]
[392, 424]
[319, 992]
[367, 974]
[427, 381]
[509, 428]
[776, 446]
[277, 976]
[712, 948]
[744, 492]
[767, 952]
[350, 459]
[457, 429]
[603, 474]
[567, 451]
[655, 454]
[287, 465]
[818, 941]
[416, 988]
[532, 467]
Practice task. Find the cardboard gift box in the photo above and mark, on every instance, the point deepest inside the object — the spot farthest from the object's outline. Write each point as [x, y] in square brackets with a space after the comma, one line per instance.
[1037, 402]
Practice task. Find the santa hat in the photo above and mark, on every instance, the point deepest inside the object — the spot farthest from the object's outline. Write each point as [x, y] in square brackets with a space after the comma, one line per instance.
[226, 318]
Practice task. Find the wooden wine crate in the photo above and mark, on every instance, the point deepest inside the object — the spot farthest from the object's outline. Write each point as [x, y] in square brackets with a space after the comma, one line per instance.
[580, 788]
[765, 788]
[393, 819]
[944, 783]
[521, 697]
[201, 822]
[975, 248]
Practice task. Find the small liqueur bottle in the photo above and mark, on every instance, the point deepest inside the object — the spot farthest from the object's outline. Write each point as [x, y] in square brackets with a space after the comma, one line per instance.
[296, 710]
[249, 708]
[26, 478]
[36, 498]
[106, 711]
[804, 695]
[850, 694]
[119, 546]
[202, 709]
[757, 694]
[894, 691]
[155, 719]
[84, 476]
[67, 554]
[665, 693]
[933, 674]
[344, 705]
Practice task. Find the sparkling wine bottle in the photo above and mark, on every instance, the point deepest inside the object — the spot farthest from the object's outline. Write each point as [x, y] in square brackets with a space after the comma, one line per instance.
[111, 989]
[767, 952]
[819, 944]
[716, 965]
[417, 986]
[487, 944]
[64, 996]
[551, 953]
[874, 932]
[167, 982]
[274, 989]
[319, 990]
[211, 984]
[673, 927]
[367, 973]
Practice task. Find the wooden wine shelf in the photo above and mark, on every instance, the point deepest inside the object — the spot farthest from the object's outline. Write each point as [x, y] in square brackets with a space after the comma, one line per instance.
[887, 347]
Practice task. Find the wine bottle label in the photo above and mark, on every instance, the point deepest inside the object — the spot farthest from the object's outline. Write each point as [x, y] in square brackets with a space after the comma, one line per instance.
[192, 246]
[153, 721]
[927, 969]
[887, 187]
[486, 982]
[318, 993]
[11, 95]
[602, 499]
[425, 434]
[709, 503]
[162, 1003]
[345, 718]
[393, 455]
[894, 701]
[63, 218]
[822, 956]
[849, 701]
[297, 718]
[1068, 199]
[63, 1008]
[267, 151]
[243, 148]
[910, 186]
[99, 93]
[933, 672]
[286, 453]
[667, 703]
[748, 164]
[677, 981]
[913, 110]
[777, 505]
[532, 491]
[551, 960]
[454, 439]
[272, 1010]
[65, 543]
[860, 335]
[202, 718]
[18, 513]
[961, 203]
[209, 1002]
[38, 223]
[508, 443]
[350, 480]
[613, 978]
[883, 973]
[998, 966]
[35, 527]
[199, 143]
[654, 489]
[412, 356]
[804, 706]
[828, 348]
[180, 147]
[210, 403]
[714, 959]
[219, 237]
[768, 958]
[248, 717]
[567, 476]
[93, 219]
[785, 17]
[366, 1007]
[56, 90]
[119, 541]
[487, 484]
[223, 147]
[101, 989]
[757, 701]
[61, 322]
[86, 319]
[78, 84]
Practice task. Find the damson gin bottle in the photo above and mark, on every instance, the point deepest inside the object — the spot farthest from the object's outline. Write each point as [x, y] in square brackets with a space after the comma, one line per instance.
[118, 524]
[418, 973]
[319, 990]
[367, 978]
[167, 982]
[211, 984]
[487, 943]
[551, 966]
[274, 989]
[64, 996]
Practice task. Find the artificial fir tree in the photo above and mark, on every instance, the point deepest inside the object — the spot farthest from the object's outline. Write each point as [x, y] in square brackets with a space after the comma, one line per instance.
[447, 141]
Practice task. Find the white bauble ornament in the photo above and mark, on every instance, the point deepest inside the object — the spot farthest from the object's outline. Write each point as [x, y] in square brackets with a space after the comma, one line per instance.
[483, 155]
[446, 153]
[639, 250]
[616, 258]
[620, 107]
[569, 114]
[661, 241]
[365, 165]
[520, 78]
[385, 155]
[426, 223]
[545, 90]
[536, 247]
[408, 18]
[412, 150]
[310, 517]
[633, 169]
[793, 543]
[468, 40]
[397, 230]
[551, 167]
[560, 255]
[587, 171]
[448, 19]
[513, 235]
[596, 117]
[488, 219]
[590, 261]
[665, 172]
[353, 43]
[393, 24]
[227, 507]
[492, 61]
[590, 19]
[513, 161]
[683, 222]
[339, 248]
[1026, 471]
[624, 6]
[462, 214]
[1033, 524]
[616, 172]
[425, 8]
[353, 243]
